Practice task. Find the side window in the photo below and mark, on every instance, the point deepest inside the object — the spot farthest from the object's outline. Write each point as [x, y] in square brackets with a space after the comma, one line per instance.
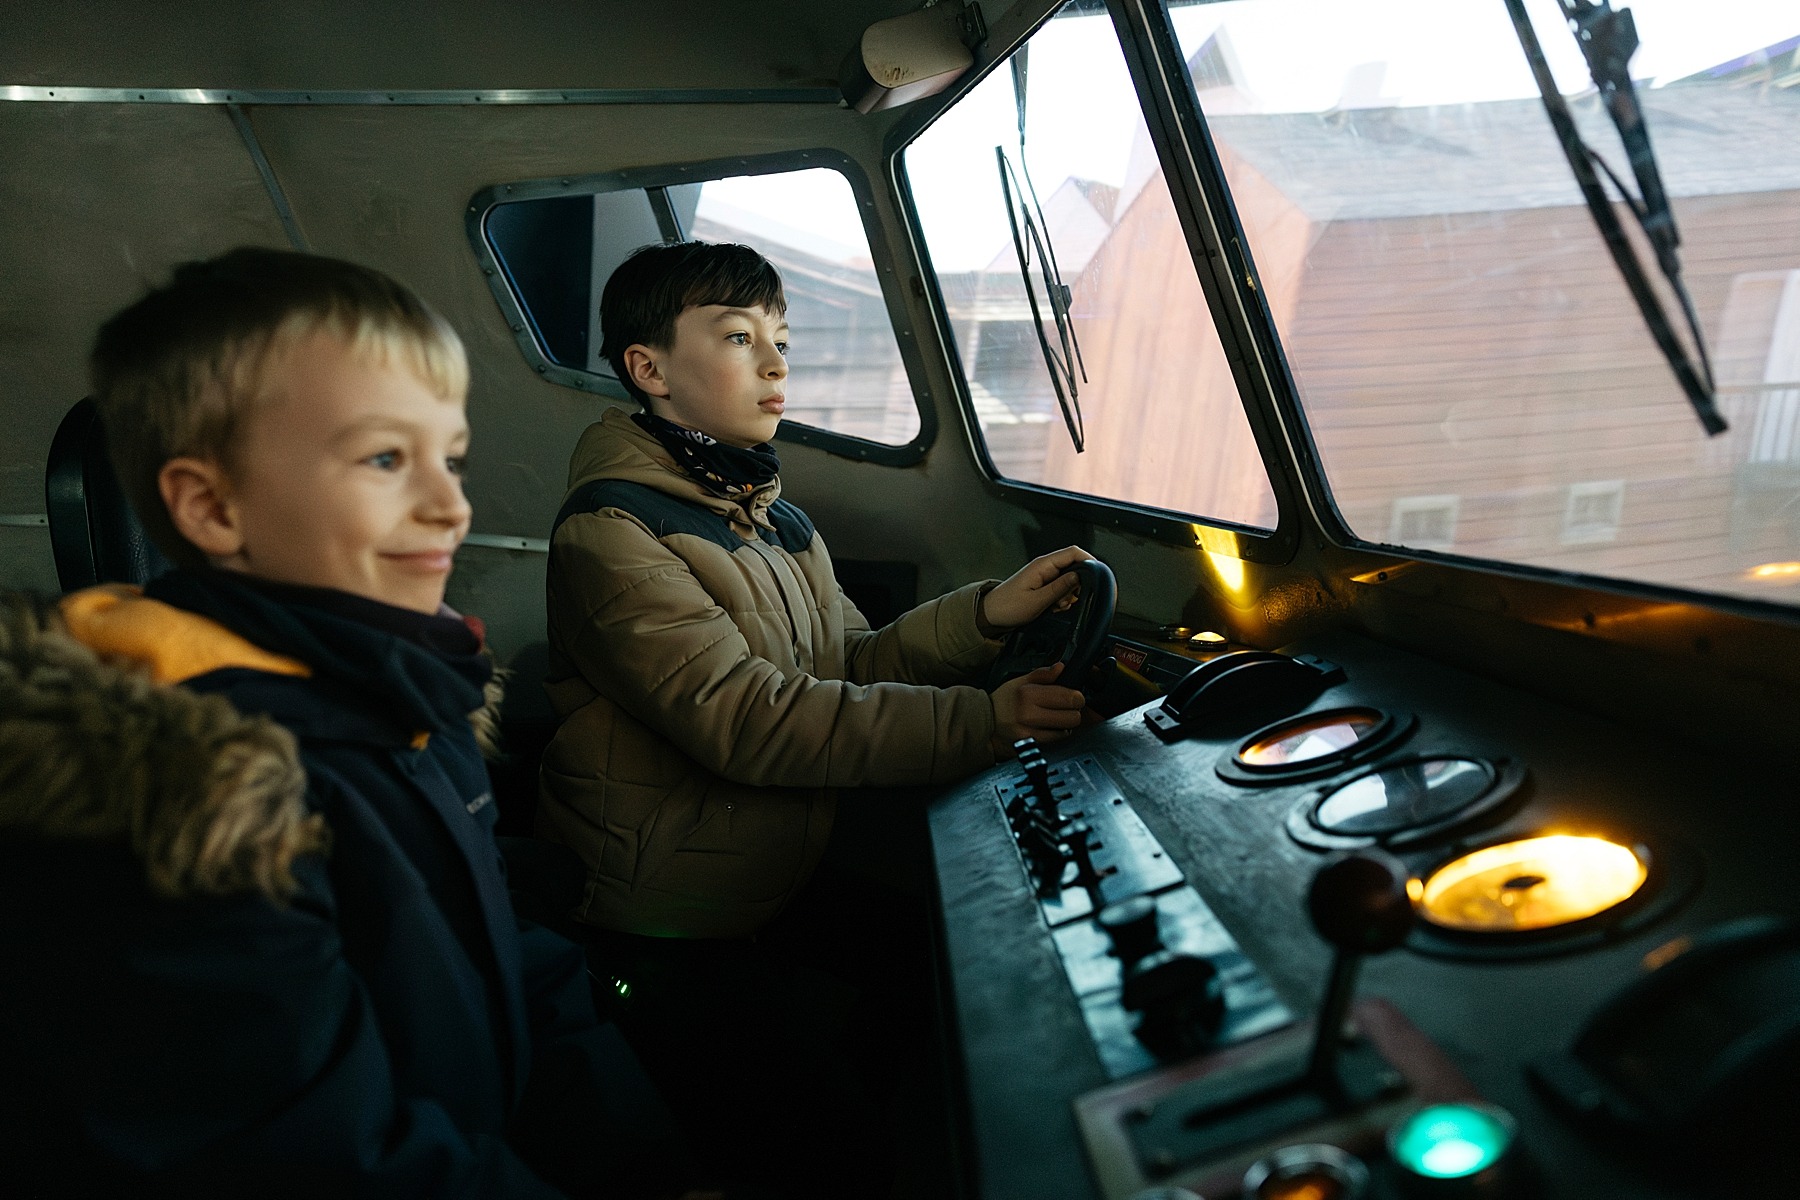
[555, 250]
[1147, 389]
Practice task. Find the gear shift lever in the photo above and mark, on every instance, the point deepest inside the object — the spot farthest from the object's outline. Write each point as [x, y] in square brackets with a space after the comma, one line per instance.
[1358, 904]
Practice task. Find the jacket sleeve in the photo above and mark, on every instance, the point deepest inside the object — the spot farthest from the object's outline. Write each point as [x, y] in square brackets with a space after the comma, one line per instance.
[644, 633]
[937, 643]
[237, 1047]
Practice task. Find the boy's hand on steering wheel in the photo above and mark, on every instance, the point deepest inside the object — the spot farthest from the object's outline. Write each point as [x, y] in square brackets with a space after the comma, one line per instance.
[1033, 706]
[1033, 590]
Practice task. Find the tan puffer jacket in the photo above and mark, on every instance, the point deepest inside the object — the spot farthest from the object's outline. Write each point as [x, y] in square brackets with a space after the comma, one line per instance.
[716, 686]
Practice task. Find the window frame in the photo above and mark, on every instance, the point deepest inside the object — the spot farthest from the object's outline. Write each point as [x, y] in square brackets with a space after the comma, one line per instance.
[1222, 266]
[843, 445]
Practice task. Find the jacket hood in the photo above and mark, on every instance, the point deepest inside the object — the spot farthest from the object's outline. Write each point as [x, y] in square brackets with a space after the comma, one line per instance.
[616, 447]
[208, 799]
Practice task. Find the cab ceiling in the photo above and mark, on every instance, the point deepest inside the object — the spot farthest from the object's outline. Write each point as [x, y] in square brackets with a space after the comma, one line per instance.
[443, 44]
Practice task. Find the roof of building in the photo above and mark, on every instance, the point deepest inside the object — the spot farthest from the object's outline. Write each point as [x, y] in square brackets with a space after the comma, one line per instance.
[1365, 163]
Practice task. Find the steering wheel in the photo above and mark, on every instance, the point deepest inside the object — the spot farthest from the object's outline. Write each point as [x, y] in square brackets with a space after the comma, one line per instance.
[1075, 638]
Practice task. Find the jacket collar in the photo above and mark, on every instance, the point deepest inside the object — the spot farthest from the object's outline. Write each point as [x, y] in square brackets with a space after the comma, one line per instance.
[365, 681]
[615, 447]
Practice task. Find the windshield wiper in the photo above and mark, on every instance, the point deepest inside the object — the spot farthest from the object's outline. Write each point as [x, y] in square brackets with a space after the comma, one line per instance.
[1031, 237]
[1607, 40]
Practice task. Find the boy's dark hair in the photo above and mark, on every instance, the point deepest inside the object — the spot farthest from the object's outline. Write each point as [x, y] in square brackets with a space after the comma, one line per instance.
[657, 283]
[176, 372]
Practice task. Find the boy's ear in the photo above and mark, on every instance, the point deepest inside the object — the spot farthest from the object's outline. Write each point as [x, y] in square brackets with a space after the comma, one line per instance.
[645, 371]
[197, 493]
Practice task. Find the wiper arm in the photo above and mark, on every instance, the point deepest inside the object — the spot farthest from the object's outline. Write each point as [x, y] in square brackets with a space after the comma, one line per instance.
[1607, 40]
[1028, 237]
[1030, 232]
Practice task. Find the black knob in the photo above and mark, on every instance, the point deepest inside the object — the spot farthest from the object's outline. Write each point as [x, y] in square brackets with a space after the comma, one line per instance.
[1181, 999]
[1358, 902]
[1132, 926]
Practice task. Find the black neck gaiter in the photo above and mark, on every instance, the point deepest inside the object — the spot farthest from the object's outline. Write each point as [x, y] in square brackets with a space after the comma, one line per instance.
[731, 472]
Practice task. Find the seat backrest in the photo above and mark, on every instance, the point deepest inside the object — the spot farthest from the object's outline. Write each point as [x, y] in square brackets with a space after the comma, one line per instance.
[94, 535]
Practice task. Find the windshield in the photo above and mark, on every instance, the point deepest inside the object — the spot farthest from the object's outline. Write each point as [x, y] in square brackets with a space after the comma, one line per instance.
[1472, 369]
[1147, 392]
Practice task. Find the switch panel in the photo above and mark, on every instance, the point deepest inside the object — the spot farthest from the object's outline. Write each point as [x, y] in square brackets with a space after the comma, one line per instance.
[1121, 913]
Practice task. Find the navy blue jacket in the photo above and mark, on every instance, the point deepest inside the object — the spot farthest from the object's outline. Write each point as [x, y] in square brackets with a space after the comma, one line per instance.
[376, 1036]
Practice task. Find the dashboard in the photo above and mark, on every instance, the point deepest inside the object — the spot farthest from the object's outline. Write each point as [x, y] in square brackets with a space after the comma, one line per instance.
[1570, 968]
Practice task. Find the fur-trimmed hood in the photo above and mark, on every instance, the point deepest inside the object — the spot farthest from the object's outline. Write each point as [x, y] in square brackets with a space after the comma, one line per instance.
[98, 740]
[208, 799]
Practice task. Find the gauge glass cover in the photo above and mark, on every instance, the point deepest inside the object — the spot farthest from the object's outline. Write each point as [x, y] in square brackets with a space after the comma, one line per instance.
[1404, 796]
[1308, 740]
[1536, 883]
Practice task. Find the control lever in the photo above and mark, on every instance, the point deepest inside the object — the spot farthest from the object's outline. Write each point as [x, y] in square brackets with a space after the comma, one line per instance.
[1358, 903]
[1179, 997]
[1035, 795]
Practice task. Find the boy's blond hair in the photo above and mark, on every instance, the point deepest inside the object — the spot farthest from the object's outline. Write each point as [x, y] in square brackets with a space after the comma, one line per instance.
[176, 373]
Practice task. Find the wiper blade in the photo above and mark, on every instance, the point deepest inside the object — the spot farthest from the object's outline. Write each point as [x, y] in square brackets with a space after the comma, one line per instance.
[1028, 238]
[1607, 40]
[1031, 232]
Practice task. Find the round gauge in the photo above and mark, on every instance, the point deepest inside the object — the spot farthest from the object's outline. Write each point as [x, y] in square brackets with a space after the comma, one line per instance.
[1405, 795]
[1407, 801]
[1310, 738]
[1534, 883]
[1313, 745]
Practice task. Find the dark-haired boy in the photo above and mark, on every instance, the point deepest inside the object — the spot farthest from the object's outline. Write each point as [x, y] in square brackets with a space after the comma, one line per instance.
[715, 685]
[717, 689]
[257, 929]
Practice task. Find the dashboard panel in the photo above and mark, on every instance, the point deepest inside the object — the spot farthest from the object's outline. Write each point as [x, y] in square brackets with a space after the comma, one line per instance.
[1507, 959]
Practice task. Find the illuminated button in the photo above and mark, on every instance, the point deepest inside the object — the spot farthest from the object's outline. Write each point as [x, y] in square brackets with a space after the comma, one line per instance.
[1536, 883]
[1310, 739]
[1318, 1172]
[1206, 639]
[1451, 1141]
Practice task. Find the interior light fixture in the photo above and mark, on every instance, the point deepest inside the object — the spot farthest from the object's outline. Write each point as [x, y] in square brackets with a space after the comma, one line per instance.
[1774, 572]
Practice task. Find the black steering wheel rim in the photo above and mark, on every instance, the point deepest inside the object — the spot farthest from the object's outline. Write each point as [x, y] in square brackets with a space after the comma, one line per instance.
[1076, 638]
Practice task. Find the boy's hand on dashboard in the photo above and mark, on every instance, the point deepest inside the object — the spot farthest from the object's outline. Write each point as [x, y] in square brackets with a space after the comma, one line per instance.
[1033, 706]
[1035, 588]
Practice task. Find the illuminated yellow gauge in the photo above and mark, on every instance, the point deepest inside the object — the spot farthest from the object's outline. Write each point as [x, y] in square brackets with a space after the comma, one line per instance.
[1535, 883]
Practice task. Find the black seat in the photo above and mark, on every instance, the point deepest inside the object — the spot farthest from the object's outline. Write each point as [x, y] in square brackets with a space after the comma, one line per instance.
[94, 535]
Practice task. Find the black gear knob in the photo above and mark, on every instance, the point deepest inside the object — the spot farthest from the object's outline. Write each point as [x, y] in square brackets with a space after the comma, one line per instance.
[1358, 902]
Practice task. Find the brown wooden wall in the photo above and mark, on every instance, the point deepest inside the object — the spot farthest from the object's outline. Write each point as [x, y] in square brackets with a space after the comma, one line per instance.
[1491, 356]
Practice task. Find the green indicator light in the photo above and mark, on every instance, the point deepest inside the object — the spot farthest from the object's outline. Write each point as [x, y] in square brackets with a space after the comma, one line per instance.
[1451, 1141]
